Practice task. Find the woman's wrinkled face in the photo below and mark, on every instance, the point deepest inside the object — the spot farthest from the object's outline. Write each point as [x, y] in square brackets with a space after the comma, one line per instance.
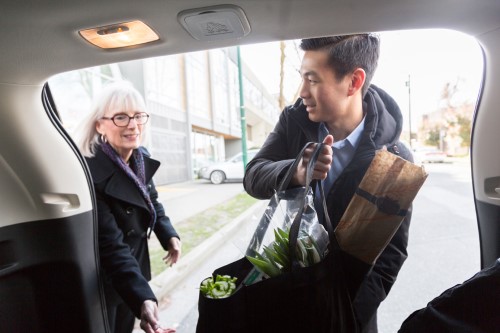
[126, 137]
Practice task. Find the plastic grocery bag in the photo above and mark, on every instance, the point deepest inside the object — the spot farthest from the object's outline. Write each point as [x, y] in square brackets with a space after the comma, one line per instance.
[269, 250]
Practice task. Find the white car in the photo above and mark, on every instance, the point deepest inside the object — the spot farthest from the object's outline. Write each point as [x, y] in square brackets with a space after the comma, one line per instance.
[230, 170]
[429, 155]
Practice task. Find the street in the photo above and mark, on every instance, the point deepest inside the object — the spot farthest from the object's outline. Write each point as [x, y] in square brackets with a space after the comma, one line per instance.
[443, 251]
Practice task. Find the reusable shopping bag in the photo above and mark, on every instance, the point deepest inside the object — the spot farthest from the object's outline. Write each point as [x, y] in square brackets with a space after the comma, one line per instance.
[316, 298]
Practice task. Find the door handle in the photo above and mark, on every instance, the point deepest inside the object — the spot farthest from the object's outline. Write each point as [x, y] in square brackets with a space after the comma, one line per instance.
[492, 187]
[67, 201]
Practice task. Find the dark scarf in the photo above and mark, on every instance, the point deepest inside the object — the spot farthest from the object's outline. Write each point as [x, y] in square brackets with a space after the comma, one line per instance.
[136, 173]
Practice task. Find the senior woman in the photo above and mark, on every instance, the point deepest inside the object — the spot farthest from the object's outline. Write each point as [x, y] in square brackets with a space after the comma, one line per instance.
[127, 205]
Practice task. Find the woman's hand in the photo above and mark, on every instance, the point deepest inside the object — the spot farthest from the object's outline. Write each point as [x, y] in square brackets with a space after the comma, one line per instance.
[149, 316]
[174, 251]
[149, 319]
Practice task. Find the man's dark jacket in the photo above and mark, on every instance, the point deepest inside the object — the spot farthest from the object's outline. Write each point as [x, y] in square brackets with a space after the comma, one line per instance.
[123, 220]
[383, 124]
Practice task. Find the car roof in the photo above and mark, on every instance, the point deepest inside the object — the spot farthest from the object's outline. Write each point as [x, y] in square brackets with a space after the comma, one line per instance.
[40, 38]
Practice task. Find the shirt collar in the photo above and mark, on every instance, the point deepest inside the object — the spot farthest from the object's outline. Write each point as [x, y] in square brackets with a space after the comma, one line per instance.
[352, 139]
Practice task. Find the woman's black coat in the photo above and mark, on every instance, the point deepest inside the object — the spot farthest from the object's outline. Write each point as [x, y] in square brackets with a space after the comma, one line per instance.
[123, 219]
[383, 124]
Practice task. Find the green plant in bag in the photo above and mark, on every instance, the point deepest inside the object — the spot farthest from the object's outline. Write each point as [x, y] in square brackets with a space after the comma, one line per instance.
[223, 286]
[276, 258]
[307, 251]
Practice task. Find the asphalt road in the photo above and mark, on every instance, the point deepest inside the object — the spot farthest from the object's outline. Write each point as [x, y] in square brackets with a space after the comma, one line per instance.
[443, 249]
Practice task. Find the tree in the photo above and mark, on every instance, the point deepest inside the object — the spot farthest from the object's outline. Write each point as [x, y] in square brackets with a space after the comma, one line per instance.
[449, 128]
[433, 137]
[465, 130]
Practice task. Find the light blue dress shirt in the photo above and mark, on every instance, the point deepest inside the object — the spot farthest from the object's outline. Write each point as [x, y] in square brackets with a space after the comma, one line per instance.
[343, 152]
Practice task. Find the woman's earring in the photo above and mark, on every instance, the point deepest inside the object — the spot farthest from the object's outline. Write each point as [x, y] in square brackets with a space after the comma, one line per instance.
[103, 138]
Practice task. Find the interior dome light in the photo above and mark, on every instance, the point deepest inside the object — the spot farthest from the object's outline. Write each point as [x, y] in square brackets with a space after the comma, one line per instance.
[120, 35]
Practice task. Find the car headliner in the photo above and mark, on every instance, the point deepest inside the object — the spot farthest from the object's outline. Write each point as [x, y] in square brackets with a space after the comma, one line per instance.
[40, 38]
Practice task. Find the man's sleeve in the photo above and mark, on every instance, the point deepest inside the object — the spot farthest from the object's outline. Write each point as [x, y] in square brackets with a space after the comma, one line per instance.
[264, 172]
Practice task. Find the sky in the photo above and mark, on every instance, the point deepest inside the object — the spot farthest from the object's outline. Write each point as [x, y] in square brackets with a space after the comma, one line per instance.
[427, 58]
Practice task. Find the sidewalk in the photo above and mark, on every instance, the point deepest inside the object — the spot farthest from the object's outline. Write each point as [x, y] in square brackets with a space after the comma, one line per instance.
[183, 200]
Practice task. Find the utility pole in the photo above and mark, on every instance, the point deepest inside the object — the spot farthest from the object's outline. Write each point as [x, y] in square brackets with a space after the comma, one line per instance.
[242, 112]
[408, 84]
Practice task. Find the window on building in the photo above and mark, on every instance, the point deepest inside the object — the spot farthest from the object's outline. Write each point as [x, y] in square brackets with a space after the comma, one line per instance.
[163, 82]
[198, 101]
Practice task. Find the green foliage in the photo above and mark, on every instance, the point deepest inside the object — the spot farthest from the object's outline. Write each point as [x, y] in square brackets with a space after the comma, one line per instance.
[465, 130]
[223, 286]
[276, 258]
[433, 137]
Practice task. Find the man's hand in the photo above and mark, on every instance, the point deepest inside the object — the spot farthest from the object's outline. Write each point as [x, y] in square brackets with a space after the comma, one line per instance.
[321, 167]
[174, 251]
[149, 316]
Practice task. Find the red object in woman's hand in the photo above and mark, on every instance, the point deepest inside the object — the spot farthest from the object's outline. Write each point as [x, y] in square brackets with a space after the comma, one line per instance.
[165, 330]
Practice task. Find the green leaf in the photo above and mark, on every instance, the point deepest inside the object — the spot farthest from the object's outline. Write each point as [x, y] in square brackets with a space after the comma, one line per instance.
[265, 267]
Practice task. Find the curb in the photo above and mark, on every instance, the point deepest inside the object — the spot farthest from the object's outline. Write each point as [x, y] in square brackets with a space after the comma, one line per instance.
[166, 281]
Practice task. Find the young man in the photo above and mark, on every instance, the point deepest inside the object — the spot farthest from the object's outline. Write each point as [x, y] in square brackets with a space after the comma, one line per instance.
[340, 108]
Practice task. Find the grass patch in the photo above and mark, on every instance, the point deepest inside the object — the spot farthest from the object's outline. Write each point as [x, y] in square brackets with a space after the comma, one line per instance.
[196, 229]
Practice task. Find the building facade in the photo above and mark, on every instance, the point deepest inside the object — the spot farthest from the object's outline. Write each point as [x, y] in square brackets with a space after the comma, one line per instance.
[194, 103]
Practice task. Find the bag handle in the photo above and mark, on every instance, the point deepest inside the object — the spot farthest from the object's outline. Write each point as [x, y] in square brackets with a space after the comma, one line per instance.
[291, 170]
[261, 229]
[264, 221]
[294, 229]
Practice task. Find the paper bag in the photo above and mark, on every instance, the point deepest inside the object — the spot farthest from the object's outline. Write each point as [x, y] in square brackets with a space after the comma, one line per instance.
[379, 206]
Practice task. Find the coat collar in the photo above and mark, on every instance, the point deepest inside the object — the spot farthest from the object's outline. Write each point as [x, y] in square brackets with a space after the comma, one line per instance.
[110, 179]
[383, 120]
[102, 167]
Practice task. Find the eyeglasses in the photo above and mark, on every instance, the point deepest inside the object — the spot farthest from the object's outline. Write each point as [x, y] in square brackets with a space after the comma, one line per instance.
[122, 120]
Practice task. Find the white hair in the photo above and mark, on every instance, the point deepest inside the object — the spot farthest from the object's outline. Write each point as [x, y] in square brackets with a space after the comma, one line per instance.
[119, 95]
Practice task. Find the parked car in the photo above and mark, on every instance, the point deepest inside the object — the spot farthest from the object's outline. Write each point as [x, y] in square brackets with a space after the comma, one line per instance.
[49, 271]
[230, 170]
[429, 155]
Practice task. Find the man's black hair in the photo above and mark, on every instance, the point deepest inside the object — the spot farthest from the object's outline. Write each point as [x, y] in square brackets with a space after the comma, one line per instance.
[348, 52]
